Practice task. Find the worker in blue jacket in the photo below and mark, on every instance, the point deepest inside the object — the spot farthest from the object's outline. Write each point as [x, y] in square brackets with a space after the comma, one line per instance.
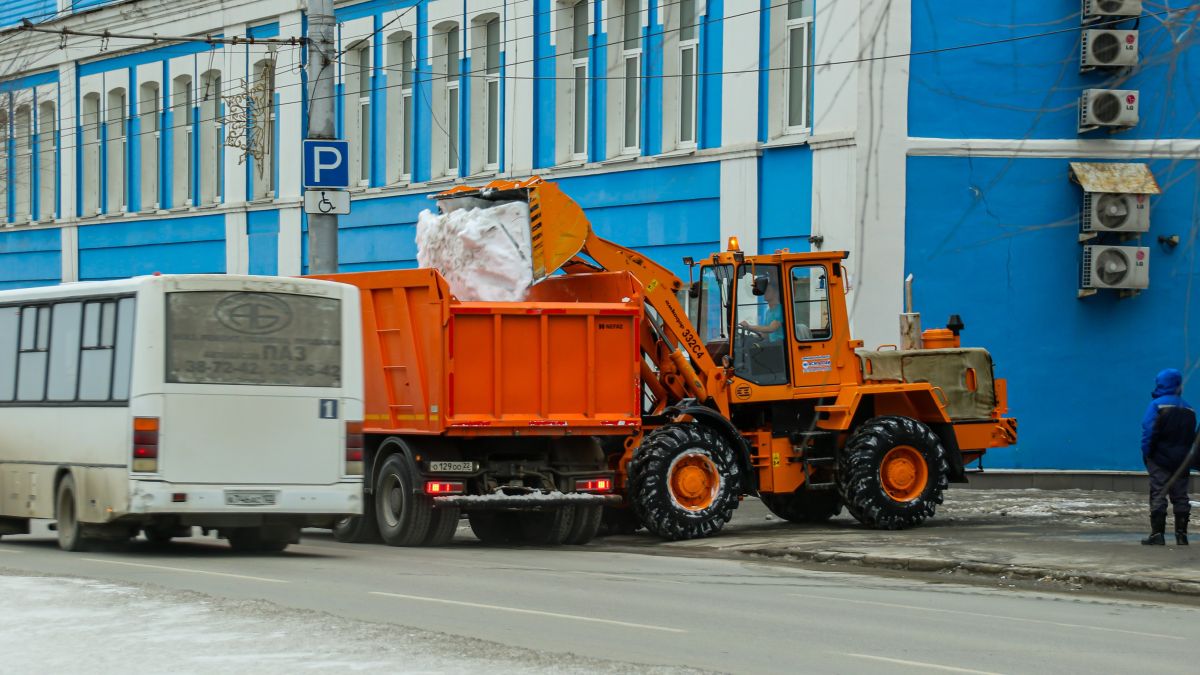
[1168, 430]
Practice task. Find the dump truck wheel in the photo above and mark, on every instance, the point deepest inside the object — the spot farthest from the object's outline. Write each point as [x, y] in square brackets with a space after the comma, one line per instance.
[495, 527]
[586, 525]
[892, 473]
[803, 505]
[403, 515]
[617, 520]
[358, 529]
[547, 528]
[442, 526]
[684, 481]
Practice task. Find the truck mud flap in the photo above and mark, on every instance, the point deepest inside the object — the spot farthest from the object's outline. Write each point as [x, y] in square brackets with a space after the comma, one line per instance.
[502, 502]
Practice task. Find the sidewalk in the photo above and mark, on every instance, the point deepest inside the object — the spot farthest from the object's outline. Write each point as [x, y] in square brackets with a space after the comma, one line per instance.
[1073, 537]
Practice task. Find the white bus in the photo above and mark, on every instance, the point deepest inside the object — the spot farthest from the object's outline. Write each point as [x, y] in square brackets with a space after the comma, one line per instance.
[160, 403]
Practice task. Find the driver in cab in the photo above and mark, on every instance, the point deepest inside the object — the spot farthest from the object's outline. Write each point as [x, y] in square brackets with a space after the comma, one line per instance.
[770, 325]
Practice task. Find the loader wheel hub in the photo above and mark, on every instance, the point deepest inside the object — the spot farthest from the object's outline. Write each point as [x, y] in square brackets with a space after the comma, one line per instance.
[903, 473]
[694, 481]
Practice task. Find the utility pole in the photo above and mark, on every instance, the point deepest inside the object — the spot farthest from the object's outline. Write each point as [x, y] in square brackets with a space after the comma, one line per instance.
[322, 228]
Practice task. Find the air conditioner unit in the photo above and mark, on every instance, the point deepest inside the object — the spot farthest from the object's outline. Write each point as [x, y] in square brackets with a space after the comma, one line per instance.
[1109, 49]
[1109, 108]
[1115, 212]
[1106, 10]
[1120, 267]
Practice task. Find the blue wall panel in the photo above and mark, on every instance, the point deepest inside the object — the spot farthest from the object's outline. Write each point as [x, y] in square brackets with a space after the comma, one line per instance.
[380, 233]
[785, 199]
[1029, 88]
[172, 245]
[30, 258]
[12, 11]
[262, 232]
[995, 241]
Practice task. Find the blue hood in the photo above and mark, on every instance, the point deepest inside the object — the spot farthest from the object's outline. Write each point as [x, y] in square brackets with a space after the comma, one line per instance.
[1169, 381]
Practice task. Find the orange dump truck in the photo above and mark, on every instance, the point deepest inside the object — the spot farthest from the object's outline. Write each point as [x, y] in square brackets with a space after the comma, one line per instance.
[494, 409]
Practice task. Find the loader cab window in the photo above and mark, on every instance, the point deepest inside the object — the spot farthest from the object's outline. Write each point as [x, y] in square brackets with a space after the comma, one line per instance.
[810, 303]
[709, 306]
[760, 345]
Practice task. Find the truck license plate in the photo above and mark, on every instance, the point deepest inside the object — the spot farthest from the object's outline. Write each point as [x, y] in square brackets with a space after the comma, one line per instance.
[250, 498]
[451, 467]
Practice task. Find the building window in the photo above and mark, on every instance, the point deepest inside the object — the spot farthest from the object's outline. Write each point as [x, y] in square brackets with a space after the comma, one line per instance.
[212, 169]
[400, 61]
[4, 177]
[493, 92]
[689, 46]
[23, 185]
[356, 78]
[624, 115]
[446, 56]
[264, 129]
[485, 93]
[182, 115]
[572, 77]
[799, 37]
[90, 174]
[114, 147]
[149, 112]
[47, 159]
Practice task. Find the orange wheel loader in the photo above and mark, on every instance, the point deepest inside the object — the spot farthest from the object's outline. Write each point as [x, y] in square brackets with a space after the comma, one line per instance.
[749, 383]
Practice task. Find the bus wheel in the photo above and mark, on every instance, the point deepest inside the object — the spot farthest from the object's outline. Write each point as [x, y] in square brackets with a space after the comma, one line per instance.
[587, 524]
[70, 531]
[403, 514]
[358, 529]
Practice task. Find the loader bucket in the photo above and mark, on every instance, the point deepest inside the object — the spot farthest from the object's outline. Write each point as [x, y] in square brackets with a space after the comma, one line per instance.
[558, 228]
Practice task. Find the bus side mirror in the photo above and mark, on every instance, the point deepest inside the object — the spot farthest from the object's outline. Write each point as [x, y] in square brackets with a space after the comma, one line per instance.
[759, 286]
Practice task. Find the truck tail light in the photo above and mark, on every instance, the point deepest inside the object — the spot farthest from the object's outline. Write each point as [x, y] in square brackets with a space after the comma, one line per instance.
[594, 485]
[354, 448]
[145, 444]
[444, 487]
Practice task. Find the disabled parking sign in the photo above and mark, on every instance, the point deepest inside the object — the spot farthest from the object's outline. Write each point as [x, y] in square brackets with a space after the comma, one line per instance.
[326, 163]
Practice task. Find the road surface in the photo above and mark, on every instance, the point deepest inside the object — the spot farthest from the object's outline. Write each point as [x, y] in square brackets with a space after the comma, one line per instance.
[714, 614]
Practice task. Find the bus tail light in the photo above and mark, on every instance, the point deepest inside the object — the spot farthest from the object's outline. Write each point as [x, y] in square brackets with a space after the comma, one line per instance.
[444, 487]
[145, 444]
[354, 448]
[594, 485]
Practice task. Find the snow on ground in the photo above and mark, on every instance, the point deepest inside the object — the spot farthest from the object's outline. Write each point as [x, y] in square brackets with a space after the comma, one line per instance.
[1085, 507]
[53, 624]
[484, 253]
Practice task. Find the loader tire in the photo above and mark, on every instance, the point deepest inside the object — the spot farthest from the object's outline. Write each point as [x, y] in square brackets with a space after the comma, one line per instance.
[358, 529]
[495, 527]
[547, 528]
[804, 505]
[586, 525]
[684, 481]
[892, 473]
[403, 513]
[442, 526]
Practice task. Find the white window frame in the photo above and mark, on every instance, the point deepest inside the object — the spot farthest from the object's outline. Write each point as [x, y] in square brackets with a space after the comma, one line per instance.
[453, 94]
[631, 51]
[90, 172]
[803, 24]
[23, 164]
[47, 121]
[116, 117]
[149, 102]
[689, 50]
[492, 114]
[399, 59]
[358, 110]
[264, 178]
[4, 177]
[212, 169]
[182, 105]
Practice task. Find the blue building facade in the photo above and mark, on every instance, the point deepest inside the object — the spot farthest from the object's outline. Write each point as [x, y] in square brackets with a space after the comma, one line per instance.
[927, 137]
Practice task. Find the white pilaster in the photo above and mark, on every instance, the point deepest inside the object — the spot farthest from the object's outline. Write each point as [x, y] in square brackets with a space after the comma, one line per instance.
[739, 202]
[739, 90]
[237, 243]
[69, 254]
[289, 242]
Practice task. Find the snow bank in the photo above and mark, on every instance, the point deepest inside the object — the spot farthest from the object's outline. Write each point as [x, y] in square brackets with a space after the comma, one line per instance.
[484, 253]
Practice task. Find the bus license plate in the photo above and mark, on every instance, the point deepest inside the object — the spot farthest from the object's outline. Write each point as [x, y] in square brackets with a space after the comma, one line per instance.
[250, 498]
[451, 467]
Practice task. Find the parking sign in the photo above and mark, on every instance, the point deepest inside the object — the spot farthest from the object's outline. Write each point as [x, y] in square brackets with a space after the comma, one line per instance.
[326, 163]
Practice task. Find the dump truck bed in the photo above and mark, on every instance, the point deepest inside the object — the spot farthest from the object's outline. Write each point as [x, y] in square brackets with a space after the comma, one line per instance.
[564, 362]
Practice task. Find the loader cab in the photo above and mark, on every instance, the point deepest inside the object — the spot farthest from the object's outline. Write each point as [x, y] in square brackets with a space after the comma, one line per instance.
[772, 319]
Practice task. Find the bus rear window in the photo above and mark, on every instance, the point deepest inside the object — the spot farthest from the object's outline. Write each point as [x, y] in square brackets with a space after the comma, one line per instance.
[277, 339]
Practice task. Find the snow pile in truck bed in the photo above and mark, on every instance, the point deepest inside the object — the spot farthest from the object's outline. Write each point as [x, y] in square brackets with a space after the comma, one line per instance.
[484, 253]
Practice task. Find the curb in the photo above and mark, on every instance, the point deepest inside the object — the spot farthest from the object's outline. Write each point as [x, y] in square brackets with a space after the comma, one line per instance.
[1028, 572]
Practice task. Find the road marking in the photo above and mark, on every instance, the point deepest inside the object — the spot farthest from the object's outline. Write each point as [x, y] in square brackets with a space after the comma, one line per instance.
[184, 569]
[922, 664]
[518, 610]
[9, 550]
[988, 616]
